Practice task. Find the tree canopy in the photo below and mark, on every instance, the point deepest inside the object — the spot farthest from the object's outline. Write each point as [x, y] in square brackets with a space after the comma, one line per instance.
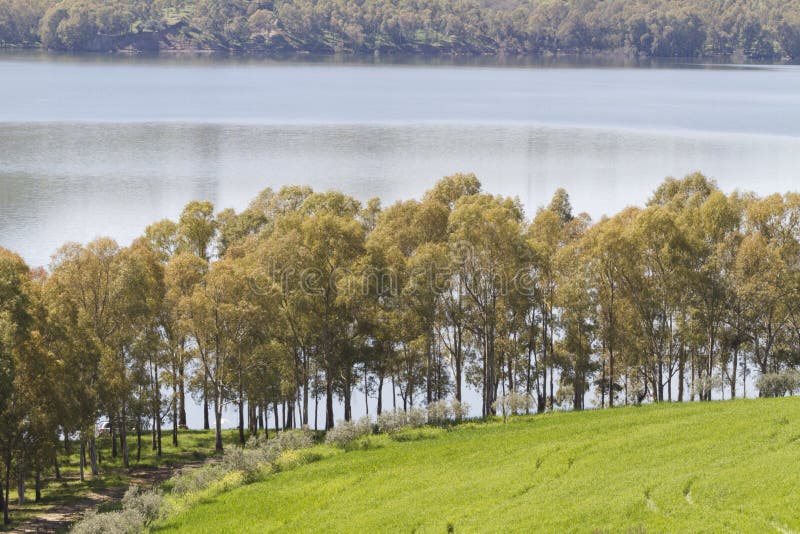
[305, 297]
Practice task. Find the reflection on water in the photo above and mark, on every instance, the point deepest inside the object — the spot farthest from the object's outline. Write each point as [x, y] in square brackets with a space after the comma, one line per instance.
[76, 181]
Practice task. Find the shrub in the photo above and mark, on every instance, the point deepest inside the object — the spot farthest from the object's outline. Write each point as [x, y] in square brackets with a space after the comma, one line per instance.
[513, 403]
[139, 508]
[778, 384]
[346, 432]
[703, 384]
[439, 412]
[391, 421]
[460, 410]
[122, 522]
[247, 460]
[292, 440]
[148, 503]
[416, 417]
[192, 480]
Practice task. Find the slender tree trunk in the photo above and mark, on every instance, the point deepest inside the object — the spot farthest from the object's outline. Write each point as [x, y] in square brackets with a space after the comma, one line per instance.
[93, 455]
[306, 365]
[366, 392]
[6, 518]
[218, 420]
[138, 441]
[181, 395]
[459, 361]
[56, 467]
[329, 400]
[241, 408]
[206, 422]
[82, 460]
[603, 385]
[123, 434]
[380, 394]
[175, 403]
[20, 485]
[38, 485]
[733, 371]
[113, 434]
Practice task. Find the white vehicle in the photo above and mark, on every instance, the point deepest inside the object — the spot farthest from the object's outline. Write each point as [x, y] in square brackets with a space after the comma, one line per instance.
[103, 428]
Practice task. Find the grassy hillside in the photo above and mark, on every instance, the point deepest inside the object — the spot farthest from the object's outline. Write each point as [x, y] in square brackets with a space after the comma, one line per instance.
[727, 466]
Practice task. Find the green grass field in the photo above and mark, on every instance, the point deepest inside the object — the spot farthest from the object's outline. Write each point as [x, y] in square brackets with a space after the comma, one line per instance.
[711, 467]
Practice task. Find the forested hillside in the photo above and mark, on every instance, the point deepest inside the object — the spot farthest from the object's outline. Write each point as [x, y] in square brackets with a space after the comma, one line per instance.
[661, 28]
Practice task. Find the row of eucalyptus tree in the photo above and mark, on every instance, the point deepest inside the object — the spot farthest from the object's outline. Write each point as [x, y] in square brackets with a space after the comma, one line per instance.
[307, 297]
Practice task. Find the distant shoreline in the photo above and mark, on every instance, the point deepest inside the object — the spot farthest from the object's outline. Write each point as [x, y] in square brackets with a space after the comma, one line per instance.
[599, 57]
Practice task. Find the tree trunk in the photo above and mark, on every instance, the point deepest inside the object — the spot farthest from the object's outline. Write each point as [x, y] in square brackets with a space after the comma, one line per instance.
[380, 394]
[113, 433]
[733, 372]
[38, 485]
[218, 421]
[123, 434]
[181, 395]
[138, 442]
[241, 409]
[82, 460]
[206, 422]
[305, 387]
[93, 456]
[20, 485]
[55, 466]
[329, 400]
[6, 519]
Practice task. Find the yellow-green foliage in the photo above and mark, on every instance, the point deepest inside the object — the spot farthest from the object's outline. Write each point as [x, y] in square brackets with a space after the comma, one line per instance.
[700, 467]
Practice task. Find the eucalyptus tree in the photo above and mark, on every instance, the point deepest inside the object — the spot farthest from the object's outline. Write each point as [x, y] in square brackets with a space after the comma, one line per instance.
[577, 299]
[216, 315]
[197, 230]
[708, 226]
[606, 251]
[88, 279]
[766, 271]
[16, 323]
[488, 230]
[544, 237]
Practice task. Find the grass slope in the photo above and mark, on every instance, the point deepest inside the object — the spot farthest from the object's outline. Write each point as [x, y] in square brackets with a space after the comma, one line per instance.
[711, 467]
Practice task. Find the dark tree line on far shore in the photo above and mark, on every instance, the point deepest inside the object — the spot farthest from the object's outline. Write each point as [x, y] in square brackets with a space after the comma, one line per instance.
[768, 29]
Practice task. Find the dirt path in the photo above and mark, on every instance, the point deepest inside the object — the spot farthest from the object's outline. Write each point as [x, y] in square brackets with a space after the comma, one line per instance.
[59, 517]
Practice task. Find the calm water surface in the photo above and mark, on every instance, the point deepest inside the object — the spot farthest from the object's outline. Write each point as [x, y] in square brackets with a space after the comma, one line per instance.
[95, 146]
[91, 147]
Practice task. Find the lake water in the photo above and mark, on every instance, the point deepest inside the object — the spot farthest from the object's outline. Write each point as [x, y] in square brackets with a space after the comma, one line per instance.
[97, 146]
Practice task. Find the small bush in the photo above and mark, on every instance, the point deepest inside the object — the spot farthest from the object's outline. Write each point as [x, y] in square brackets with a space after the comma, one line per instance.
[345, 433]
[293, 439]
[247, 460]
[139, 508]
[460, 410]
[148, 503]
[416, 417]
[513, 403]
[193, 480]
[778, 384]
[392, 421]
[122, 522]
[439, 412]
